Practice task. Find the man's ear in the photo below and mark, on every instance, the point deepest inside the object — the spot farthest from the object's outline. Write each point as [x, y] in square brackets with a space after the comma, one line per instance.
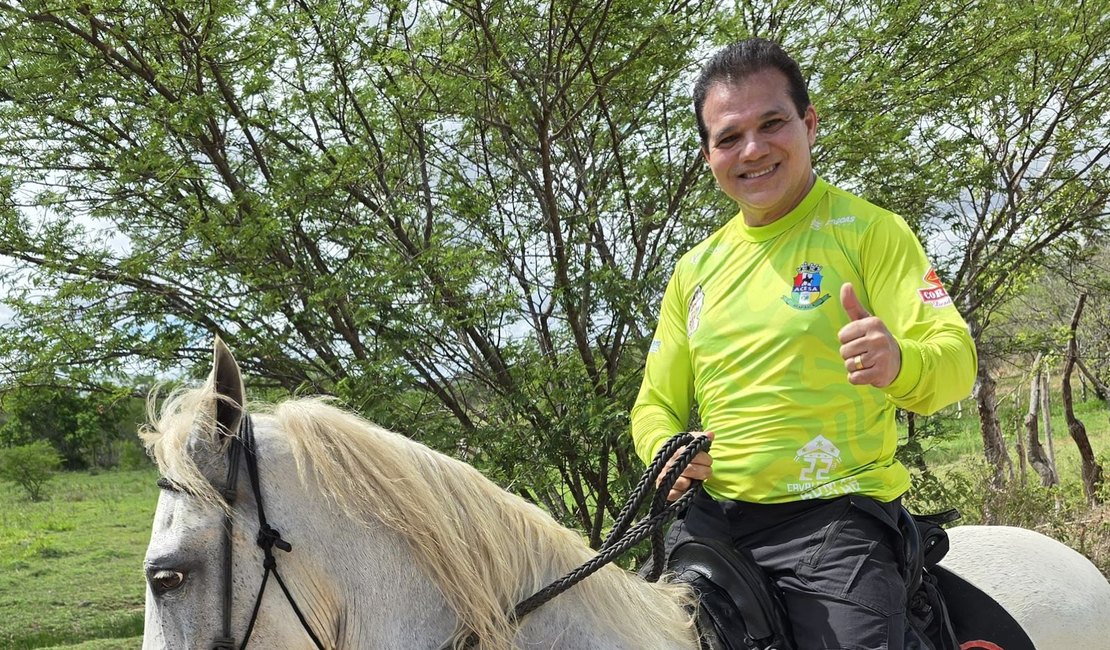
[230, 392]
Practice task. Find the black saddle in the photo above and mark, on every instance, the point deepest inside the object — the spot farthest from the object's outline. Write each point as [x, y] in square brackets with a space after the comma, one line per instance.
[740, 608]
[737, 602]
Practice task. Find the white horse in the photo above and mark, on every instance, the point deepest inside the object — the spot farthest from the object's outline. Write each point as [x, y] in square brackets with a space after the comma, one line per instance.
[397, 547]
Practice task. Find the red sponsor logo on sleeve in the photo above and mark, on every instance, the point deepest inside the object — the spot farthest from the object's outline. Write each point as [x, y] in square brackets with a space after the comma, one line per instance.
[934, 294]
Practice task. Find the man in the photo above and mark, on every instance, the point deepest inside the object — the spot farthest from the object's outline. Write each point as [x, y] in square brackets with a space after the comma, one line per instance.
[799, 387]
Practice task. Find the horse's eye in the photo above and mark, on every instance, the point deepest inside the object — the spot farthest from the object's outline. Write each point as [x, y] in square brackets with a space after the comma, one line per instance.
[165, 580]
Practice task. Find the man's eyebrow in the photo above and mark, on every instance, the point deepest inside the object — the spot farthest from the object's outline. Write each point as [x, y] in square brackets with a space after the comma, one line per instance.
[777, 111]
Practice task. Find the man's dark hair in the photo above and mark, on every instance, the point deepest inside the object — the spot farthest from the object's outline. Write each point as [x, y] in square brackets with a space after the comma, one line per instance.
[733, 63]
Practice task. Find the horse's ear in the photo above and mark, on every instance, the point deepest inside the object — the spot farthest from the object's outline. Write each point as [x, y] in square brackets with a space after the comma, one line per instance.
[228, 382]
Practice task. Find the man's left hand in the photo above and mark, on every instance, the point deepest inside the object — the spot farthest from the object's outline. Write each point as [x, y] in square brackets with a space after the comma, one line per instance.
[871, 355]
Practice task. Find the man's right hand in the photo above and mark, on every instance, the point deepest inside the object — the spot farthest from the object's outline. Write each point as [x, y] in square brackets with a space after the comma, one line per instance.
[699, 469]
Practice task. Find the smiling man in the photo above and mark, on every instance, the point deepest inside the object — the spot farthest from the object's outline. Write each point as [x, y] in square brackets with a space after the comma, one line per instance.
[759, 149]
[799, 387]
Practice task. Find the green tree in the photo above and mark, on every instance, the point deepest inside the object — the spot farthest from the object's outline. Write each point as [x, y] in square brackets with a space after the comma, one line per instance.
[85, 429]
[30, 467]
[474, 203]
[460, 216]
[1067, 299]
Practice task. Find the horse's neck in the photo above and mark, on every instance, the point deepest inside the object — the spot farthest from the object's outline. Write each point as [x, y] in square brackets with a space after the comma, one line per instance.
[378, 597]
[396, 606]
[567, 624]
[359, 583]
[390, 603]
[365, 587]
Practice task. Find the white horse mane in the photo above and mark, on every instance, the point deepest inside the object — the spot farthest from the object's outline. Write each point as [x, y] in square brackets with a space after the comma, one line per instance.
[485, 548]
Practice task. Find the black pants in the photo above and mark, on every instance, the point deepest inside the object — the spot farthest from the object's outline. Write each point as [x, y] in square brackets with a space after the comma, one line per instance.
[837, 562]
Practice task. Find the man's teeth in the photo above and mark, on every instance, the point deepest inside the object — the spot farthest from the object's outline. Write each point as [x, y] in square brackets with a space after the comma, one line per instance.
[760, 173]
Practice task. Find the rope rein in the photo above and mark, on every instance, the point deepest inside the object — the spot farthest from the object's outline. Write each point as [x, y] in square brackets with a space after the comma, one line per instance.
[624, 534]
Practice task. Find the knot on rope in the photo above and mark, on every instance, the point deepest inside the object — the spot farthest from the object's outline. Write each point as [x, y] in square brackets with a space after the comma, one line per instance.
[269, 537]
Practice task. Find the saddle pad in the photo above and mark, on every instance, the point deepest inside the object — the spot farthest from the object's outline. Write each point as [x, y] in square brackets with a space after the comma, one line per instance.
[980, 622]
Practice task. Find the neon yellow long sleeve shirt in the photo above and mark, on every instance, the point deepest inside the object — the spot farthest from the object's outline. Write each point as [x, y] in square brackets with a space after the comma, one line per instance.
[748, 331]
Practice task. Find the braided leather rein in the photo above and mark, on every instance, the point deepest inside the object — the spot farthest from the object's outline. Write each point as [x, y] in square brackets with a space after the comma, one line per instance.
[624, 535]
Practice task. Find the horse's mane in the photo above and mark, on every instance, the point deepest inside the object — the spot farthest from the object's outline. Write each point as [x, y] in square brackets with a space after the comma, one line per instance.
[485, 548]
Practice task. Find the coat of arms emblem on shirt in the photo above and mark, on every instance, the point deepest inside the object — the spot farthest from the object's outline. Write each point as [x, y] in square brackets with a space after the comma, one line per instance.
[806, 293]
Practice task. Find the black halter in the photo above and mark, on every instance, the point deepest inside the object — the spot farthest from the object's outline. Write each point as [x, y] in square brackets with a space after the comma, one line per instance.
[243, 446]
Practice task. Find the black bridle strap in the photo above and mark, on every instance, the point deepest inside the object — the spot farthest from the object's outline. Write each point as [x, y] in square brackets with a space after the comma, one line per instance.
[234, 453]
[268, 538]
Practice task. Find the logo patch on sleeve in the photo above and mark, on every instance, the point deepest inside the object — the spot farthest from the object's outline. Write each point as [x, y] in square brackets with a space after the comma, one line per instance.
[934, 294]
[693, 315]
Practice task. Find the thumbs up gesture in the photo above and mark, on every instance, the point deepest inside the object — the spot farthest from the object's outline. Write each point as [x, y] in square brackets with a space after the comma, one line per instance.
[870, 353]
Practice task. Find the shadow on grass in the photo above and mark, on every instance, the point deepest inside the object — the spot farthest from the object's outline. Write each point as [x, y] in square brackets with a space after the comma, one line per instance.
[104, 644]
[122, 632]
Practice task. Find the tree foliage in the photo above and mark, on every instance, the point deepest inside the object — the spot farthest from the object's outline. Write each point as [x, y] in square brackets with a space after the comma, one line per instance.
[87, 430]
[459, 216]
[438, 212]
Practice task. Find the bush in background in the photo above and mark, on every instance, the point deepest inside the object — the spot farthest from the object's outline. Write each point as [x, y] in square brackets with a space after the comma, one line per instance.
[30, 467]
[132, 455]
[87, 430]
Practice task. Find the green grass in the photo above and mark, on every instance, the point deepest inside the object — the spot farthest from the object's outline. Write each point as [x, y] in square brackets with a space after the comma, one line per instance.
[965, 441]
[71, 567]
[104, 644]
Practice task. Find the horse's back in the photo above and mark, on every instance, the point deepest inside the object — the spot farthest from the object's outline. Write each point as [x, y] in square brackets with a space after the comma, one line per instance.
[1058, 596]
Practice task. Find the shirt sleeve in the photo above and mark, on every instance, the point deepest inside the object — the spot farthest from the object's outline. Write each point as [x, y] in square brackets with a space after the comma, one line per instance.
[666, 395]
[939, 360]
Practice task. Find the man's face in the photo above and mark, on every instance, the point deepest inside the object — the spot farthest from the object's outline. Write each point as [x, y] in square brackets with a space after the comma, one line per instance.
[759, 147]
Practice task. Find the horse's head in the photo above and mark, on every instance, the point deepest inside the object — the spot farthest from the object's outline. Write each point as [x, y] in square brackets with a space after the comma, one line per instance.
[203, 496]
